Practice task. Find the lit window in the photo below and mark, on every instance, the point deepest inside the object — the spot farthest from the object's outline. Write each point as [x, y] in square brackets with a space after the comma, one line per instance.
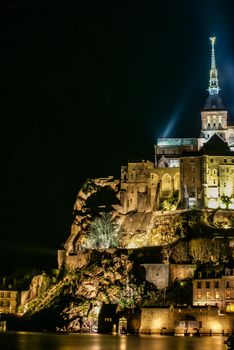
[230, 307]
[216, 295]
[208, 295]
[199, 295]
[227, 294]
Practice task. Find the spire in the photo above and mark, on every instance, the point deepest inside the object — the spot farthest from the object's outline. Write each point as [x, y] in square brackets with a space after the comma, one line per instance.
[213, 83]
[213, 101]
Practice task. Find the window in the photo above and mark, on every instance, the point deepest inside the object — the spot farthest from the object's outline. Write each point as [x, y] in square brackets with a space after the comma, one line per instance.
[211, 160]
[227, 294]
[199, 295]
[207, 284]
[227, 284]
[225, 160]
[199, 274]
[208, 295]
[216, 295]
[199, 285]
[216, 284]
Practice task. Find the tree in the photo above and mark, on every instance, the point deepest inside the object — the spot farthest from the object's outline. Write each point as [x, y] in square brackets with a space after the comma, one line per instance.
[198, 250]
[103, 233]
[226, 200]
[180, 252]
[168, 241]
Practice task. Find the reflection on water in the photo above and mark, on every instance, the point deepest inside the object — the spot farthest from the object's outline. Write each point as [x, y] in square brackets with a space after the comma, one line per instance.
[47, 341]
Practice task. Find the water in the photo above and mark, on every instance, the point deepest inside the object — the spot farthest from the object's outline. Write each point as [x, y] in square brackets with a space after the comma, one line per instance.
[47, 341]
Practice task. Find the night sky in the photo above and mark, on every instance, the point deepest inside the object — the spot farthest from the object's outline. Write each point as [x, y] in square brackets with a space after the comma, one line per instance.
[85, 88]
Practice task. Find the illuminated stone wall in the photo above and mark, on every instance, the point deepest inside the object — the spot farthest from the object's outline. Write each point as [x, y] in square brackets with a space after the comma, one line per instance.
[181, 272]
[207, 179]
[152, 320]
[214, 122]
[162, 275]
[143, 186]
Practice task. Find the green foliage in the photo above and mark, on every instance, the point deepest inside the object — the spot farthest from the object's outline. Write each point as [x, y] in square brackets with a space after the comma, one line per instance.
[169, 203]
[226, 200]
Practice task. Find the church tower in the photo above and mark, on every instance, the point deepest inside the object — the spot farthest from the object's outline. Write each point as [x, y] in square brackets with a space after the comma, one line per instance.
[214, 116]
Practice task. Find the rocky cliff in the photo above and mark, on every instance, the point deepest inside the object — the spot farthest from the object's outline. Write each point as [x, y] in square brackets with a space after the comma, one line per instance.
[75, 300]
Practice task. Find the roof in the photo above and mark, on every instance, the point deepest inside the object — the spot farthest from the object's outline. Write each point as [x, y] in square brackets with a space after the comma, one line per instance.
[214, 102]
[215, 146]
[177, 141]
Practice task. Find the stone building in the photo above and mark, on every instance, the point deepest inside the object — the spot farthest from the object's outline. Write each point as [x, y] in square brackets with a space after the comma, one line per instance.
[9, 301]
[187, 172]
[214, 285]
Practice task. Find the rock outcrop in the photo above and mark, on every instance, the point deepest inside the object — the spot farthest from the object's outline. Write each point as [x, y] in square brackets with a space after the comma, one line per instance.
[74, 302]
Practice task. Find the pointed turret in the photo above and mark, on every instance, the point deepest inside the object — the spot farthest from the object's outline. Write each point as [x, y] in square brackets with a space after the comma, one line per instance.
[213, 101]
[213, 83]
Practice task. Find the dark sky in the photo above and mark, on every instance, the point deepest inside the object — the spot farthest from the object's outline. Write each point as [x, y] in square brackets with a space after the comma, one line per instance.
[85, 88]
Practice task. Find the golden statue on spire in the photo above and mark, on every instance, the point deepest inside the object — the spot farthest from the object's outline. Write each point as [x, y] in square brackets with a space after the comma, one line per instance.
[212, 39]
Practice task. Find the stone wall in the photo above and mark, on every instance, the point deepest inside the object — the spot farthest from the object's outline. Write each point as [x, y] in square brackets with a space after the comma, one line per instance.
[181, 272]
[153, 320]
[159, 275]
[77, 261]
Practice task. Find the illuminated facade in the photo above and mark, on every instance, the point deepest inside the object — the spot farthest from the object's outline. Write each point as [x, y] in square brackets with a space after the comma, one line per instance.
[214, 285]
[187, 172]
[9, 301]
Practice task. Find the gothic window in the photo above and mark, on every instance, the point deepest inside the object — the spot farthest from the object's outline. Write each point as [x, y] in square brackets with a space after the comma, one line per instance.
[167, 183]
[176, 182]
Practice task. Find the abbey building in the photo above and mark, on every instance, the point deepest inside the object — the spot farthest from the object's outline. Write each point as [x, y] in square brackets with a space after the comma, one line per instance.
[187, 172]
